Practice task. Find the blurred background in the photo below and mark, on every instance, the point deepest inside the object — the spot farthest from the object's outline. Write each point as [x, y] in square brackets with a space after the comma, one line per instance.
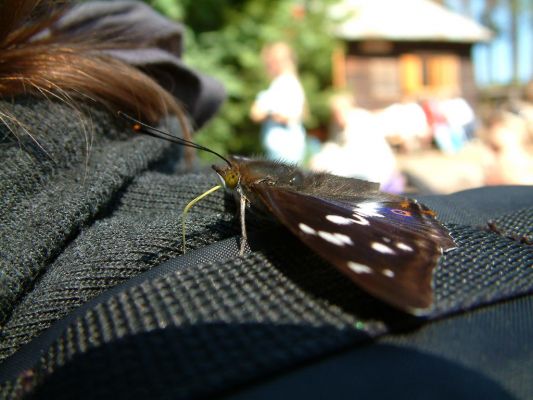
[420, 95]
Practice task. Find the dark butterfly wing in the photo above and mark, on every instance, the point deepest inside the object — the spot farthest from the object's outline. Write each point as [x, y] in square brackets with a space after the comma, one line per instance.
[389, 248]
[403, 214]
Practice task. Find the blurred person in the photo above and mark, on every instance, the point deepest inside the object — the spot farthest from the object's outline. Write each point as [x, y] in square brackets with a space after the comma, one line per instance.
[452, 123]
[358, 147]
[405, 125]
[524, 108]
[280, 108]
[513, 164]
[460, 118]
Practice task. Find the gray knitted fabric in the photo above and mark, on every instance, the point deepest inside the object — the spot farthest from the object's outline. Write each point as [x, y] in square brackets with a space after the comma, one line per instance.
[57, 190]
[54, 183]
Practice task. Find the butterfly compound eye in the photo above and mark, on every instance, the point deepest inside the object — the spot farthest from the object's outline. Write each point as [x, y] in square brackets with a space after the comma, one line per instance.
[231, 179]
[229, 176]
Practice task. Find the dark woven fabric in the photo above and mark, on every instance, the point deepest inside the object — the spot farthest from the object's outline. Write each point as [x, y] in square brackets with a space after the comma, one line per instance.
[493, 341]
[482, 354]
[204, 329]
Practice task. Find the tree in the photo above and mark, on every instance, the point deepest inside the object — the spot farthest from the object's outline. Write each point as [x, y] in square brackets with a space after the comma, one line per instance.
[225, 38]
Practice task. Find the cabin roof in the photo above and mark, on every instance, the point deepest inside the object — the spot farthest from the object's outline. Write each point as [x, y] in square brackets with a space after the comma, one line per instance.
[405, 20]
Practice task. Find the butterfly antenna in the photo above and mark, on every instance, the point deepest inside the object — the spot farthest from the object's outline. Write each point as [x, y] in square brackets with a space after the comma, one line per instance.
[146, 129]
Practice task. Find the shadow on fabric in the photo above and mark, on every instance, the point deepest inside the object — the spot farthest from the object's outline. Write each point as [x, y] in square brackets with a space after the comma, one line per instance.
[204, 360]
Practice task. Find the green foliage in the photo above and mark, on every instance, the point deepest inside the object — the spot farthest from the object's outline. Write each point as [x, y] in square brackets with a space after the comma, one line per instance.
[224, 39]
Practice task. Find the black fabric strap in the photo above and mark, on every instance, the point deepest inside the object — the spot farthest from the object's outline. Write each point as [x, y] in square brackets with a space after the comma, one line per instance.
[205, 329]
[30, 353]
[483, 354]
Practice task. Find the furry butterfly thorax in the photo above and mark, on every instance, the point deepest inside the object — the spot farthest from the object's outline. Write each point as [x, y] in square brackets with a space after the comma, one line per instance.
[388, 245]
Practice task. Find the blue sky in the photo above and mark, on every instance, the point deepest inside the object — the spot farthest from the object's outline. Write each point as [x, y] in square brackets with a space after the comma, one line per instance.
[500, 70]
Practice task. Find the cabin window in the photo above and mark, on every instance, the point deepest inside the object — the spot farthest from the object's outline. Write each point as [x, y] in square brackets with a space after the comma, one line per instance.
[429, 73]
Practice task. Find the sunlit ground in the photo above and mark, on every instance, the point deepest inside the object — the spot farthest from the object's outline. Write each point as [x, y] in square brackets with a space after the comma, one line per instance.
[492, 146]
[498, 155]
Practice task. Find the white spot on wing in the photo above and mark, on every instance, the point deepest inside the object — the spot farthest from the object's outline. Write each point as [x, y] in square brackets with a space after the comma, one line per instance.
[403, 246]
[387, 272]
[369, 205]
[386, 239]
[330, 237]
[368, 209]
[346, 239]
[337, 239]
[360, 220]
[339, 219]
[382, 248]
[306, 229]
[359, 268]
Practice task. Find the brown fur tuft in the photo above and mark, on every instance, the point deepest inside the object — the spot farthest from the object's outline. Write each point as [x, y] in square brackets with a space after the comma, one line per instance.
[36, 60]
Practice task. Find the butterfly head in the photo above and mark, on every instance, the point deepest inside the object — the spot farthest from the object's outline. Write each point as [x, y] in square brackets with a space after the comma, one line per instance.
[229, 176]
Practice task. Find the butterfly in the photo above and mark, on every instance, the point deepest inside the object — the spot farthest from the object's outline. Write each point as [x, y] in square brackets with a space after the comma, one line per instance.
[388, 245]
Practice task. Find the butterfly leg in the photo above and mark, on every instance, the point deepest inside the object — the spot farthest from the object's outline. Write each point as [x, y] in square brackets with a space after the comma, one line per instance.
[244, 237]
[524, 239]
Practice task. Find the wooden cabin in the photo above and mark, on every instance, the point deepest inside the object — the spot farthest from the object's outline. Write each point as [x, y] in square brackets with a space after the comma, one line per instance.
[404, 50]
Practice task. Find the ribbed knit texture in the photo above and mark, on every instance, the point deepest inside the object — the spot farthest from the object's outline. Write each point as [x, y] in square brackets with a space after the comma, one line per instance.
[75, 227]
[54, 185]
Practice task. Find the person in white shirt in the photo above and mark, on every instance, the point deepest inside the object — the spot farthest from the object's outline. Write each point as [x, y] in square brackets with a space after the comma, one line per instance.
[280, 108]
[358, 148]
